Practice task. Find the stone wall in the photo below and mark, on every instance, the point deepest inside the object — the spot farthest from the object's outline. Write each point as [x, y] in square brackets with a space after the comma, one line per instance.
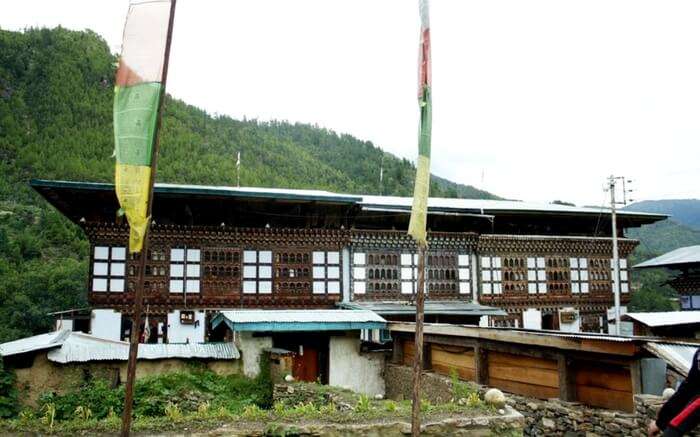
[399, 385]
[647, 407]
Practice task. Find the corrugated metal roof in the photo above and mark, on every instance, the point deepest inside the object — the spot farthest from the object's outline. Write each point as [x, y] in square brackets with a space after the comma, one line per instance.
[431, 307]
[298, 320]
[666, 318]
[680, 256]
[678, 356]
[34, 343]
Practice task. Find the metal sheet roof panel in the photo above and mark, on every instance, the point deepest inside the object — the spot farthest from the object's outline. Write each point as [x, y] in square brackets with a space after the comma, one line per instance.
[34, 343]
[678, 356]
[680, 256]
[665, 318]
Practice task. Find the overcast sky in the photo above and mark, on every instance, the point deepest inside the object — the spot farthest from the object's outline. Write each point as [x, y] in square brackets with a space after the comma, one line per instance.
[533, 100]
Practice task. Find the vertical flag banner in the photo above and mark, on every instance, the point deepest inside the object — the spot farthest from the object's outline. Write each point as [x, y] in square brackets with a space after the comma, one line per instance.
[137, 95]
[419, 211]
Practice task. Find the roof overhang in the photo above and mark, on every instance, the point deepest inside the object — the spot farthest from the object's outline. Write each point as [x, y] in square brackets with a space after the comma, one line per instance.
[681, 258]
[298, 320]
[456, 308]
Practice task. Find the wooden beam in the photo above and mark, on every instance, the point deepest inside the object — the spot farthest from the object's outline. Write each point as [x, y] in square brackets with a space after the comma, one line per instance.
[567, 382]
[481, 364]
[397, 352]
[636, 375]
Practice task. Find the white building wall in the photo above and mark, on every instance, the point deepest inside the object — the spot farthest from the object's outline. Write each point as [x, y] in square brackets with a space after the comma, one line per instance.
[574, 326]
[106, 324]
[179, 333]
[251, 348]
[532, 318]
[362, 373]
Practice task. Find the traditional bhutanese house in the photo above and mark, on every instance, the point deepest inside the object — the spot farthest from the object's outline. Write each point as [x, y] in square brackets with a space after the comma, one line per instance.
[547, 266]
[685, 263]
[671, 324]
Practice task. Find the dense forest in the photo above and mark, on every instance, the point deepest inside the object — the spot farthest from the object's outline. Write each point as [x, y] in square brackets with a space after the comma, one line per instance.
[56, 91]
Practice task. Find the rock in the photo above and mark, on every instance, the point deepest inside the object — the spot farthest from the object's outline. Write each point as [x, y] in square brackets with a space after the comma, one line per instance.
[290, 389]
[495, 397]
[667, 393]
[533, 406]
[379, 396]
[548, 423]
[501, 411]
[289, 378]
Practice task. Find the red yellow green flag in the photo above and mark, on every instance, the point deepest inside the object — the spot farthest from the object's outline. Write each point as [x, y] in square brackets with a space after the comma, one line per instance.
[421, 190]
[137, 95]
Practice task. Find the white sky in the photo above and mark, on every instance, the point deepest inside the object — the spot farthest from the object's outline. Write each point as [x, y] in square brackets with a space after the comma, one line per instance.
[535, 100]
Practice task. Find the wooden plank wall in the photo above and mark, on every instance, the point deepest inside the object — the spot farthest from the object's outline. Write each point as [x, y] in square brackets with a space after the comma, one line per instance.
[527, 376]
[445, 358]
[604, 385]
[409, 348]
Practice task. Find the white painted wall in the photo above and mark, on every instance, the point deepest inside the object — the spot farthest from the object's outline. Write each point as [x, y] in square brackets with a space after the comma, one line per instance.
[484, 321]
[106, 324]
[179, 333]
[64, 324]
[362, 373]
[532, 318]
[251, 348]
[574, 326]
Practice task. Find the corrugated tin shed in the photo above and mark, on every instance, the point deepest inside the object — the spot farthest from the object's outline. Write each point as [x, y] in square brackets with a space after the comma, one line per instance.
[34, 343]
[675, 258]
[677, 355]
[298, 320]
[665, 318]
[431, 307]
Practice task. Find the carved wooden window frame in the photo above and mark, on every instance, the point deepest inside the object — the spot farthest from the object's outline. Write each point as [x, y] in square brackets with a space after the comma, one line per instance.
[491, 275]
[624, 276]
[256, 277]
[579, 275]
[114, 263]
[326, 272]
[536, 275]
[186, 272]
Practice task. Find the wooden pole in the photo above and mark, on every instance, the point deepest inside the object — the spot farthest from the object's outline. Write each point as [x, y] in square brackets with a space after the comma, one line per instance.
[418, 351]
[139, 291]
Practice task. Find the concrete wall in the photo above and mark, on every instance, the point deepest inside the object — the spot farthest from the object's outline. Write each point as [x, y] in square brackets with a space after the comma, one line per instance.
[179, 333]
[362, 373]
[251, 348]
[532, 318]
[106, 324]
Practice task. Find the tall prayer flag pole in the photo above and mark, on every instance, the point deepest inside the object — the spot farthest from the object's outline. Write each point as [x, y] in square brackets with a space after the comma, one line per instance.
[138, 105]
[419, 211]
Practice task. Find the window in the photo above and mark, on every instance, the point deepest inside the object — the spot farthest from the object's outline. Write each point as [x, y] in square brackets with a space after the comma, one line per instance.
[108, 269]
[257, 272]
[326, 272]
[359, 273]
[184, 270]
[536, 275]
[624, 276]
[464, 273]
[579, 275]
[491, 275]
[409, 272]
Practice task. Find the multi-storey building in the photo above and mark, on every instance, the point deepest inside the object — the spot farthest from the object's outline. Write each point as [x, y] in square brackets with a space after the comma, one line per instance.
[545, 266]
[684, 265]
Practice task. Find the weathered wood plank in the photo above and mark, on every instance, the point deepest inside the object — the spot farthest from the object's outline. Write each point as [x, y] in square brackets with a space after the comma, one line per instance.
[535, 391]
[605, 398]
[605, 378]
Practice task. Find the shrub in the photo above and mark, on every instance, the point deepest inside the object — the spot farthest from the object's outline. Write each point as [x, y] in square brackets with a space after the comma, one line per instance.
[8, 393]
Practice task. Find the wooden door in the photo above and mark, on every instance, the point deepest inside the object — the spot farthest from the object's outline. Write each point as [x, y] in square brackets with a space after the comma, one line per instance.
[306, 365]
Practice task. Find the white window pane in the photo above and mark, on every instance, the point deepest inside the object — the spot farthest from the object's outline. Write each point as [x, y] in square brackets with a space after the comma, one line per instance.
[685, 302]
[625, 287]
[101, 252]
[497, 275]
[540, 262]
[695, 301]
[415, 258]
[407, 288]
[583, 263]
[541, 275]
[250, 272]
[192, 286]
[250, 256]
[333, 272]
[486, 289]
[99, 269]
[359, 287]
[176, 286]
[623, 263]
[463, 260]
[574, 275]
[193, 255]
[531, 263]
[464, 274]
[333, 257]
[486, 262]
[265, 257]
[406, 273]
[486, 275]
[405, 259]
[193, 270]
[117, 269]
[358, 273]
[116, 285]
[119, 253]
[584, 275]
[319, 257]
[358, 258]
[532, 288]
[542, 286]
[319, 287]
[99, 284]
[319, 272]
[573, 263]
[333, 287]
[496, 288]
[612, 263]
[497, 262]
[415, 272]
[575, 288]
[623, 275]
[249, 287]
[584, 287]
[465, 288]
[177, 255]
[265, 287]
[532, 275]
[265, 272]
[177, 270]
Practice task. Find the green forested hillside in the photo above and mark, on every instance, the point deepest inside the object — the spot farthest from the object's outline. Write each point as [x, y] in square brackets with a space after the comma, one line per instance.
[56, 93]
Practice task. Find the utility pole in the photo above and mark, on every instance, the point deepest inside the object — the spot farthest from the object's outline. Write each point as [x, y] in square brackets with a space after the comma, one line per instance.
[612, 182]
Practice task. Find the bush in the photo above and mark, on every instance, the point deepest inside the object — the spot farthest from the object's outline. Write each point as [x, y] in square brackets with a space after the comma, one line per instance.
[8, 393]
